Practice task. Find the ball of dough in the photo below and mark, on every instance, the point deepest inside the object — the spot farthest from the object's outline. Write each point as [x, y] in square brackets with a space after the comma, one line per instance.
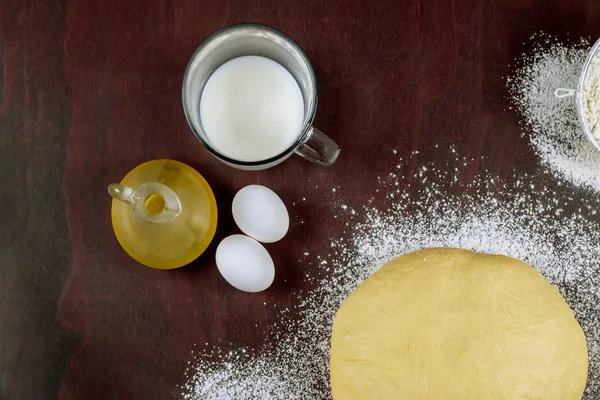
[453, 324]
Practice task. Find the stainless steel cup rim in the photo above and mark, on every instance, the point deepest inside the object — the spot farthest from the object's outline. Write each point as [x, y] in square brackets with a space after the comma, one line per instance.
[578, 93]
[306, 127]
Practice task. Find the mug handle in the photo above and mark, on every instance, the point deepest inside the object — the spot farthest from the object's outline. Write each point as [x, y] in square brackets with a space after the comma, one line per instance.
[319, 148]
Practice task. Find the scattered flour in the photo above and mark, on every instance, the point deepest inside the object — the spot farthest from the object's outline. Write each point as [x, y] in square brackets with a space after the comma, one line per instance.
[552, 124]
[521, 218]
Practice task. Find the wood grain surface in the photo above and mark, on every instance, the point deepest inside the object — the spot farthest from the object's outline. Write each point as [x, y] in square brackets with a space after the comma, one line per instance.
[90, 89]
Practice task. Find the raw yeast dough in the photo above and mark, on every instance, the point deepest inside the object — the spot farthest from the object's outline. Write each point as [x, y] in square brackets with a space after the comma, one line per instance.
[442, 324]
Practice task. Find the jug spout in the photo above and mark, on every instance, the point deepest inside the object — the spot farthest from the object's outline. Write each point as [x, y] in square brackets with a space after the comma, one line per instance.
[152, 201]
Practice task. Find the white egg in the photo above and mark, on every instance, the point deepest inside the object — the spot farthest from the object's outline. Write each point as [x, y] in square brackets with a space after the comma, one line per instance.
[260, 213]
[245, 263]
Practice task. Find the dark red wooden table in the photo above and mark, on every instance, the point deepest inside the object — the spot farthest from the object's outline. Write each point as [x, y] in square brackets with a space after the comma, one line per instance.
[90, 89]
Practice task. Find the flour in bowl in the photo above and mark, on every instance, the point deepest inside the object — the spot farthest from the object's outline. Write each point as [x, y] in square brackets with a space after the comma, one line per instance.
[591, 96]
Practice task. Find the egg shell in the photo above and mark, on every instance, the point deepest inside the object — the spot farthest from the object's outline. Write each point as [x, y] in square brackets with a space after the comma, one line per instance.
[245, 263]
[260, 213]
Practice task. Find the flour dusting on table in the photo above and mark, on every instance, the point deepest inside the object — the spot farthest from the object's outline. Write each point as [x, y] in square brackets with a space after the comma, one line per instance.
[551, 231]
[551, 123]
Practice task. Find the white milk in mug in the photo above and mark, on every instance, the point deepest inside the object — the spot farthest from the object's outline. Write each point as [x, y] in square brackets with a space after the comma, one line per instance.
[251, 109]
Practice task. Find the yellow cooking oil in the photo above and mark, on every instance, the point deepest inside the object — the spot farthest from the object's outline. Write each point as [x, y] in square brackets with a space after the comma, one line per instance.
[179, 241]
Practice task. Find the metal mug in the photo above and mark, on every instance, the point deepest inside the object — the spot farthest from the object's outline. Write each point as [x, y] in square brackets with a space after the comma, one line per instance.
[259, 40]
